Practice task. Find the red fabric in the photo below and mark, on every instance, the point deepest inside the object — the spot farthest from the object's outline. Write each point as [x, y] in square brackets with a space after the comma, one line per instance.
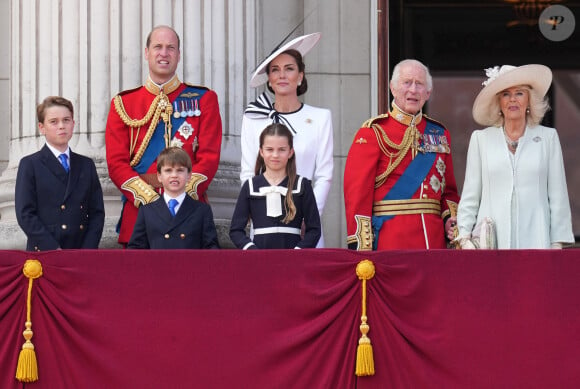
[289, 318]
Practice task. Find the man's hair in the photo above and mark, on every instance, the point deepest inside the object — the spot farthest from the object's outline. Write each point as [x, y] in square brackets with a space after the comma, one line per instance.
[158, 28]
[172, 156]
[397, 72]
[52, 101]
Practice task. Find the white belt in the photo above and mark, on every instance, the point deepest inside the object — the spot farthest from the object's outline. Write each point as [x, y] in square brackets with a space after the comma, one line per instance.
[277, 230]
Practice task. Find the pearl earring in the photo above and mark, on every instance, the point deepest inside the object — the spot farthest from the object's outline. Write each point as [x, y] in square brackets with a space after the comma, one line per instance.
[528, 110]
[299, 83]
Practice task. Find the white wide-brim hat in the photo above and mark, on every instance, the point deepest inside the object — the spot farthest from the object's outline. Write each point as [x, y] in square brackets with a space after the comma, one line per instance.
[303, 44]
[486, 104]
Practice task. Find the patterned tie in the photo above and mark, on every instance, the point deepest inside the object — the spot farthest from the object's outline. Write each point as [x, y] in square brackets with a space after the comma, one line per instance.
[64, 161]
[172, 204]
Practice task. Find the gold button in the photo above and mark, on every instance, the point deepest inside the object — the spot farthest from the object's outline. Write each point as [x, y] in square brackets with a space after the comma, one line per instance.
[166, 236]
[82, 227]
[424, 196]
[182, 236]
[64, 227]
[63, 207]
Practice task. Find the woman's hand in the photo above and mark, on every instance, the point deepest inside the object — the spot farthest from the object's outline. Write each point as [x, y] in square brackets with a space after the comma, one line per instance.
[450, 227]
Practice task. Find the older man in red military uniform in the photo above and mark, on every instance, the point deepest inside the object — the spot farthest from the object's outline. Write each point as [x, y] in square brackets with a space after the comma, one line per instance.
[399, 187]
[163, 112]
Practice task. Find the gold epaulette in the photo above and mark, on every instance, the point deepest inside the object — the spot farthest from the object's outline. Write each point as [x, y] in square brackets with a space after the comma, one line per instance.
[434, 121]
[370, 121]
[196, 86]
[126, 92]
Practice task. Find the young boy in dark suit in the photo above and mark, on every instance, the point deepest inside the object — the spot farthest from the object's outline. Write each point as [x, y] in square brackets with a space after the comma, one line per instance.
[174, 220]
[58, 196]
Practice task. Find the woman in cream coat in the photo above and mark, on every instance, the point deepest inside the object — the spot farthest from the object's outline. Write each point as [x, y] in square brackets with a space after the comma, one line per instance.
[515, 170]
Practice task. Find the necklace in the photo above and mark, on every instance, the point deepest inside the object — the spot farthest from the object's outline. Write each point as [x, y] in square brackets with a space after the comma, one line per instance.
[512, 144]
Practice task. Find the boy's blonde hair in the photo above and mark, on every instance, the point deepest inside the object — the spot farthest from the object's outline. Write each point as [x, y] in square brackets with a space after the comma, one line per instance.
[172, 156]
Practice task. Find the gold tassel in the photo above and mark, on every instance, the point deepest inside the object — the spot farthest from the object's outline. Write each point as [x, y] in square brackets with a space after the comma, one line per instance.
[365, 364]
[27, 369]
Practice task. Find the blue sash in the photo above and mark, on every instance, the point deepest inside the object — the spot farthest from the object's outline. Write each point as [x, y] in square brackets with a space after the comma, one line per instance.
[409, 181]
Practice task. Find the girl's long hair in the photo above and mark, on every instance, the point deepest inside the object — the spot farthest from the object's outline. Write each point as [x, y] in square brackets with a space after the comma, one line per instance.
[278, 129]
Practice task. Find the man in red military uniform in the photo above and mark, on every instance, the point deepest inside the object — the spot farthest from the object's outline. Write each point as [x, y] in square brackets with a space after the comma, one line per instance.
[163, 112]
[399, 187]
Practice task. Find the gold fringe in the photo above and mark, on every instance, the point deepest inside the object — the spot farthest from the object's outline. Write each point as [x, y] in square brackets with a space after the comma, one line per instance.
[27, 369]
[365, 364]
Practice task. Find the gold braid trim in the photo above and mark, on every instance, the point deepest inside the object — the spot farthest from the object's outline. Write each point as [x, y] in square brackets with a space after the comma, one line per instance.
[142, 191]
[363, 236]
[191, 187]
[160, 108]
[411, 134]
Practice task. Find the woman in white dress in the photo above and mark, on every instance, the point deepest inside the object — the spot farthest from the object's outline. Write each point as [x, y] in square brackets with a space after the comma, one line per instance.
[310, 126]
[515, 170]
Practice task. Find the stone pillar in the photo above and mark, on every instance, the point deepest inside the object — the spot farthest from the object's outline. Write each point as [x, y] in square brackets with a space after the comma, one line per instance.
[87, 51]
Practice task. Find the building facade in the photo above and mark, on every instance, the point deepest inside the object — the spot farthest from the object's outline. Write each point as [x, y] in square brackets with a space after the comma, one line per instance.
[89, 51]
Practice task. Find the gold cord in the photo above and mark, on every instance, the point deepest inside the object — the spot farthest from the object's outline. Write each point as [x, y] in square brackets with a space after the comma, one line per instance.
[160, 108]
[409, 139]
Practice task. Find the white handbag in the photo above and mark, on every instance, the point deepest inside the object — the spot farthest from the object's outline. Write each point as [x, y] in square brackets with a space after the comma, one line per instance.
[483, 236]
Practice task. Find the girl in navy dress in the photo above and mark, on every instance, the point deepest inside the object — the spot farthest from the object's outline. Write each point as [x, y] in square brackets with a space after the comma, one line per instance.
[276, 200]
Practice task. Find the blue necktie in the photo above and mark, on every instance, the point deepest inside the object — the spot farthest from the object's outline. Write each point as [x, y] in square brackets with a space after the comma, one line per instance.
[64, 161]
[172, 204]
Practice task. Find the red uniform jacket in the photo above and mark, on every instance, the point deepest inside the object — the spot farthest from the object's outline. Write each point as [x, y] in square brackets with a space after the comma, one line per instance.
[200, 136]
[418, 221]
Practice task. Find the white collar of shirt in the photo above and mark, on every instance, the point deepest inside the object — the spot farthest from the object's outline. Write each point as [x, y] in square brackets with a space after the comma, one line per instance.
[179, 199]
[57, 152]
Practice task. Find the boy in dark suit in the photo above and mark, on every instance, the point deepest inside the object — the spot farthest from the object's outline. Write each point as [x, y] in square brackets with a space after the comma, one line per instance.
[175, 220]
[58, 196]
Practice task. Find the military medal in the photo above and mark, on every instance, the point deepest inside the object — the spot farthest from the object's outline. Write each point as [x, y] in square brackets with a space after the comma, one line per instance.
[176, 113]
[190, 112]
[176, 143]
[197, 111]
[186, 130]
[183, 111]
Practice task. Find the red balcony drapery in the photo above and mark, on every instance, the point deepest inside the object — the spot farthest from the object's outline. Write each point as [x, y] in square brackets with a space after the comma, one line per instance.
[289, 319]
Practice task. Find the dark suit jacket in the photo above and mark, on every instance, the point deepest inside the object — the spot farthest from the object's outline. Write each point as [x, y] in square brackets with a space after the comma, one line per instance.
[191, 228]
[56, 209]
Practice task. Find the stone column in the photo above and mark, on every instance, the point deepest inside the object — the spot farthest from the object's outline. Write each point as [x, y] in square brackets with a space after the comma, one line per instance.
[87, 51]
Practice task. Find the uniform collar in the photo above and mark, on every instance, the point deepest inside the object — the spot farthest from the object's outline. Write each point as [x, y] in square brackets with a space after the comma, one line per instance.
[167, 88]
[403, 117]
